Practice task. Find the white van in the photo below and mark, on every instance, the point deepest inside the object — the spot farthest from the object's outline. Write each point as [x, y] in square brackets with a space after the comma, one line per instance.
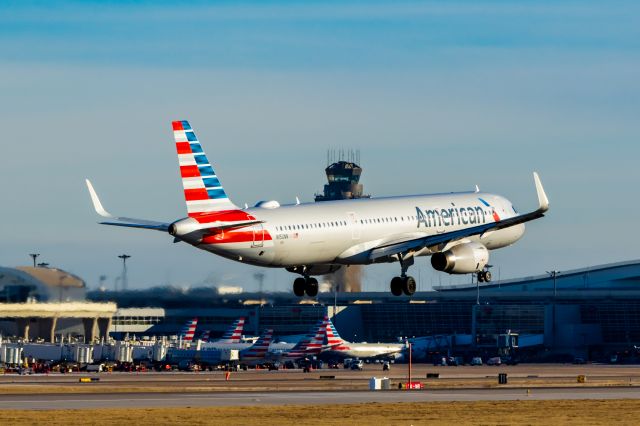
[494, 361]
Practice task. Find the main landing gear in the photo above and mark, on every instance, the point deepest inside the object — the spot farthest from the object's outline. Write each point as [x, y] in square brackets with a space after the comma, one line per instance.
[308, 285]
[400, 285]
[484, 276]
[404, 283]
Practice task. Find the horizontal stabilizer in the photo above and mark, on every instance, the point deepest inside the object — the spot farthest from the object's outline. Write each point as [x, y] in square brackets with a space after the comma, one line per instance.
[123, 221]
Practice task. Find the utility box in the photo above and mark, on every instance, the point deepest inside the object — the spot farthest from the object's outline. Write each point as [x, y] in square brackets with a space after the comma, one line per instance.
[386, 383]
[375, 383]
[502, 378]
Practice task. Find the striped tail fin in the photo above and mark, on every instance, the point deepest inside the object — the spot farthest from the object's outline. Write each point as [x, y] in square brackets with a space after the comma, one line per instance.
[310, 342]
[333, 338]
[233, 333]
[315, 344]
[189, 330]
[259, 349]
[203, 191]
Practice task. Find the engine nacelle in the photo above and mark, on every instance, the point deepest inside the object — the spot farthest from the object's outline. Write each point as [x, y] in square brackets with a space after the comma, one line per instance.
[461, 259]
[185, 229]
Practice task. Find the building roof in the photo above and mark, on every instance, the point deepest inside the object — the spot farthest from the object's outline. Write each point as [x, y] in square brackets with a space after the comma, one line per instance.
[52, 277]
[613, 276]
[58, 310]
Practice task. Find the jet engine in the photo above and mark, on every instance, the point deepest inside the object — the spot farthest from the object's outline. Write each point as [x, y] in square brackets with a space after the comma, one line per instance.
[461, 259]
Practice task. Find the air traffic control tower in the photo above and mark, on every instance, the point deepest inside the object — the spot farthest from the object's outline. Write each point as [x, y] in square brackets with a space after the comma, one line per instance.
[343, 176]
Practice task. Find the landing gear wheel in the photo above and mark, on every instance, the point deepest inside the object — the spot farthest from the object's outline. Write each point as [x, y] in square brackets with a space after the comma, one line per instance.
[487, 276]
[396, 286]
[299, 285]
[408, 286]
[312, 287]
[480, 277]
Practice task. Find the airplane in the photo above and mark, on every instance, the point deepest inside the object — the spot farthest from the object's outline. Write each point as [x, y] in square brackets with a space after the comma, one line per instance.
[337, 347]
[308, 346]
[257, 353]
[189, 330]
[456, 229]
[232, 335]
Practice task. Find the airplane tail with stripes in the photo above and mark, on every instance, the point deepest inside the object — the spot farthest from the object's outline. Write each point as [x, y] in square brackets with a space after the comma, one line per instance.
[206, 336]
[203, 191]
[233, 333]
[311, 344]
[259, 349]
[189, 330]
[334, 341]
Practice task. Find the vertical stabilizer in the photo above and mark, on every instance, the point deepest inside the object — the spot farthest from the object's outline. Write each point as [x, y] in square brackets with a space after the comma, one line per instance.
[333, 338]
[259, 349]
[189, 330]
[234, 333]
[203, 191]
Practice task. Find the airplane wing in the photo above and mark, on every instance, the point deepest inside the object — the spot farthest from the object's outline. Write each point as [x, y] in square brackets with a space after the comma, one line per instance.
[123, 221]
[432, 240]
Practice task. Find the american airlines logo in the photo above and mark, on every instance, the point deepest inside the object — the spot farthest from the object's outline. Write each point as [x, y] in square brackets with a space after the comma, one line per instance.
[451, 216]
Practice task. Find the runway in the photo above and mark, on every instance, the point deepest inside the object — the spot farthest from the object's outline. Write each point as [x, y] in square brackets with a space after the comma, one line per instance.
[165, 400]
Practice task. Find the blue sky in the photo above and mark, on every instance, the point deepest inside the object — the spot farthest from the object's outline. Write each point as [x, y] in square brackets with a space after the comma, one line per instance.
[438, 96]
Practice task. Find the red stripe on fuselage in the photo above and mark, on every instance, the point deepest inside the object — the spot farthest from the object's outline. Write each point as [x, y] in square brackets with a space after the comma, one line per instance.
[222, 216]
[233, 236]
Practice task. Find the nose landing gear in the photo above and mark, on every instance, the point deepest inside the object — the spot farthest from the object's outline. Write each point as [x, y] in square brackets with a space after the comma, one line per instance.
[308, 285]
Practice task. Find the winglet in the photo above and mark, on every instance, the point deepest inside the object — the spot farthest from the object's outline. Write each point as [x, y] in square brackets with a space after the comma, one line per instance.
[542, 197]
[97, 205]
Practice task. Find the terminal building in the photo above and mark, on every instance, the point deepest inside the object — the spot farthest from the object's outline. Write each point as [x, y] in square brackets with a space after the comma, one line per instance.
[40, 303]
[589, 312]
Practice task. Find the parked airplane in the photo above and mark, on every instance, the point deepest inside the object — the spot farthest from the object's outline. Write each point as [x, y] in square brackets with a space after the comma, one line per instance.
[232, 335]
[189, 330]
[456, 229]
[337, 347]
[257, 353]
[308, 346]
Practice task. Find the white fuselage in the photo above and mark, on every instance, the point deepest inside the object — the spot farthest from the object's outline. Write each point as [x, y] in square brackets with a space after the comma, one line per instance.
[365, 350]
[343, 232]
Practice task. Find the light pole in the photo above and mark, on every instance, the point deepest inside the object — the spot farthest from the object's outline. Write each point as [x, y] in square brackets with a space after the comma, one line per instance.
[554, 274]
[34, 256]
[124, 258]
